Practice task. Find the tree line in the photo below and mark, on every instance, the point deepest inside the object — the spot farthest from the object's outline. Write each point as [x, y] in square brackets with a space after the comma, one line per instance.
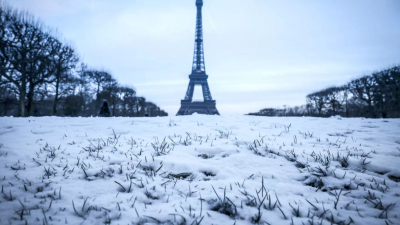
[42, 76]
[372, 96]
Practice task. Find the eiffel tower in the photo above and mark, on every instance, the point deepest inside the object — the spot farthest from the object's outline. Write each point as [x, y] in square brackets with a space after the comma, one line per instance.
[198, 76]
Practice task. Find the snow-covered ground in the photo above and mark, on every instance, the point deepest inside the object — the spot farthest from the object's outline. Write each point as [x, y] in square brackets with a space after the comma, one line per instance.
[199, 170]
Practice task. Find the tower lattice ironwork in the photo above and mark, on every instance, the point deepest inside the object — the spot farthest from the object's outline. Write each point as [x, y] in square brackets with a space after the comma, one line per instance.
[198, 77]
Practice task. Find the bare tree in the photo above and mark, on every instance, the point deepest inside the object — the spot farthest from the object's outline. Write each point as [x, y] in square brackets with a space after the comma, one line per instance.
[318, 100]
[387, 94]
[99, 78]
[64, 61]
[25, 49]
[37, 69]
[363, 89]
[8, 43]
[128, 101]
[334, 97]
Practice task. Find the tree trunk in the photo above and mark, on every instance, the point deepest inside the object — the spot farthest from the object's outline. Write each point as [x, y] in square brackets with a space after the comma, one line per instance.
[371, 107]
[98, 95]
[56, 96]
[22, 92]
[5, 111]
[112, 99]
[30, 99]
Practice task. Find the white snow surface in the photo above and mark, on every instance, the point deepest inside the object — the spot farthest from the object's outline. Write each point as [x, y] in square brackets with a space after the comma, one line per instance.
[199, 170]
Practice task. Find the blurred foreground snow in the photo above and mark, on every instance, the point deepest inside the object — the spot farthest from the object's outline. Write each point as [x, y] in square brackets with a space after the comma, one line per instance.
[199, 170]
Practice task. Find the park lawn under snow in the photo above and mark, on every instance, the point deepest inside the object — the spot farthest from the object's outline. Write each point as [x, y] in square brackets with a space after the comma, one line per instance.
[199, 170]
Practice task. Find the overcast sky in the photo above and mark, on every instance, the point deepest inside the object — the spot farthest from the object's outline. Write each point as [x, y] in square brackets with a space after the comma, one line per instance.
[258, 53]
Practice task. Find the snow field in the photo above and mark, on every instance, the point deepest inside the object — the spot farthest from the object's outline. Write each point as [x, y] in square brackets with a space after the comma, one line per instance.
[199, 170]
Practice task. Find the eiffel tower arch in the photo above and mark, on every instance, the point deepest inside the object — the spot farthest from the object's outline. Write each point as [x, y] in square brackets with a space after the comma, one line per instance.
[198, 77]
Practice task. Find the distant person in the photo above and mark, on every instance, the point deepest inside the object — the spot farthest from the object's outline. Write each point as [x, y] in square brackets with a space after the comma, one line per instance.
[105, 110]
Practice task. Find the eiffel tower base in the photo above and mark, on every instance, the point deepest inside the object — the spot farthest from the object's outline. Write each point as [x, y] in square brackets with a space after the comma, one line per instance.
[206, 107]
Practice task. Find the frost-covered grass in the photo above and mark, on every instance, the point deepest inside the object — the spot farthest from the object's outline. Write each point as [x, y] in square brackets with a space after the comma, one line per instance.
[199, 170]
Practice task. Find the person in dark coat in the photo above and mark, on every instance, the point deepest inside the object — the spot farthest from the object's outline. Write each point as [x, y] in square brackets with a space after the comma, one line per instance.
[105, 110]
